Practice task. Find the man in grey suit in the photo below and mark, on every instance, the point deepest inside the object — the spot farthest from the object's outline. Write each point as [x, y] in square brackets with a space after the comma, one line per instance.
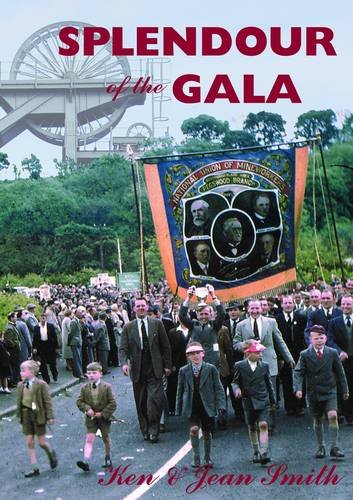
[101, 341]
[145, 344]
[322, 369]
[74, 340]
[266, 331]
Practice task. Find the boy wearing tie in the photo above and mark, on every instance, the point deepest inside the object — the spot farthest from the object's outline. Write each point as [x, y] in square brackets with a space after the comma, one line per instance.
[252, 383]
[34, 409]
[199, 396]
[97, 402]
[322, 369]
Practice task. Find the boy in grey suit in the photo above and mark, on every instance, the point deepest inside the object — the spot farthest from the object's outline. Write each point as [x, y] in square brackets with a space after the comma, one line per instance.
[322, 369]
[200, 396]
[252, 383]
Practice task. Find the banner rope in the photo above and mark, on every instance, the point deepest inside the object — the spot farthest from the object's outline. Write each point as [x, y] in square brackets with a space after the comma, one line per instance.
[315, 214]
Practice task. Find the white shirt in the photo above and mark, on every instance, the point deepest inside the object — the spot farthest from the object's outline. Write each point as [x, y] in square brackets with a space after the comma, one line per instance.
[259, 325]
[203, 267]
[139, 321]
[43, 332]
[253, 365]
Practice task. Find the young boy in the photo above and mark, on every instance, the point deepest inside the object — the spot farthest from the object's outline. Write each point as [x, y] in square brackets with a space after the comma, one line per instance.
[34, 409]
[252, 383]
[97, 402]
[199, 395]
[322, 369]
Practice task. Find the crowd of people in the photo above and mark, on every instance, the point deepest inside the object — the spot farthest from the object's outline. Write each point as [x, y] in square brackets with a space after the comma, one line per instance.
[155, 337]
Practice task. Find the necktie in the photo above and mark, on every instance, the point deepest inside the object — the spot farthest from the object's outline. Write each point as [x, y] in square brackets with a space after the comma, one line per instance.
[94, 385]
[328, 315]
[27, 384]
[196, 370]
[348, 321]
[319, 354]
[145, 345]
[289, 320]
[256, 331]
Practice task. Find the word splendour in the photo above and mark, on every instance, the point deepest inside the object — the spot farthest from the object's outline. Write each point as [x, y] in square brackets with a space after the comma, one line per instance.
[208, 41]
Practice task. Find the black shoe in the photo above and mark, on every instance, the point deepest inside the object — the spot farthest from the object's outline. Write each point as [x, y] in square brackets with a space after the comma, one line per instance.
[162, 428]
[208, 462]
[83, 465]
[197, 462]
[53, 460]
[146, 436]
[107, 463]
[336, 452]
[264, 458]
[341, 419]
[32, 473]
[153, 438]
[321, 452]
[300, 412]
[256, 457]
[55, 379]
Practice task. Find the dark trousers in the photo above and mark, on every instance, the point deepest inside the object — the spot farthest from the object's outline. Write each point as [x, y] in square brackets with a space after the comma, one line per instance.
[76, 361]
[172, 385]
[102, 357]
[291, 403]
[149, 401]
[15, 365]
[45, 360]
[347, 406]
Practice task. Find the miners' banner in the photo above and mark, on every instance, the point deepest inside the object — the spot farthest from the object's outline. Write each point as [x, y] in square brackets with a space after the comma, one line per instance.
[229, 220]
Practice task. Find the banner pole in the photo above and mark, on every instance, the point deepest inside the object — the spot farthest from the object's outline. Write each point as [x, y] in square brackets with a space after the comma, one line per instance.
[139, 221]
[331, 207]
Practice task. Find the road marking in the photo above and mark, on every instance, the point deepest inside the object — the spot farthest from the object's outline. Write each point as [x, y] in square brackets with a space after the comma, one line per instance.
[141, 490]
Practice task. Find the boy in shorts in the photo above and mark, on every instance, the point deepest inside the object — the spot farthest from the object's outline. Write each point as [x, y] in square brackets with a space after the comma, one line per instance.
[34, 409]
[252, 383]
[199, 396]
[322, 369]
[97, 402]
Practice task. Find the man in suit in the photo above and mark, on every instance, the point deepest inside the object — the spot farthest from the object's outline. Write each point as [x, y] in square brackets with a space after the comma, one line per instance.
[202, 264]
[200, 397]
[266, 331]
[145, 344]
[291, 324]
[12, 340]
[74, 340]
[252, 383]
[261, 212]
[45, 344]
[231, 242]
[201, 222]
[340, 337]
[203, 329]
[322, 315]
[314, 301]
[102, 342]
[322, 369]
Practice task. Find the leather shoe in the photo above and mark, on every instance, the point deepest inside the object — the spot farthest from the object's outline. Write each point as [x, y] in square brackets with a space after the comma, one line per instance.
[196, 463]
[107, 463]
[208, 463]
[321, 452]
[32, 473]
[256, 457]
[264, 458]
[53, 460]
[162, 428]
[336, 452]
[153, 438]
[146, 436]
[83, 465]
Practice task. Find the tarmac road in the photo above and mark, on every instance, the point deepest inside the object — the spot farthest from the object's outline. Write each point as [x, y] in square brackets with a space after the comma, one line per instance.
[292, 446]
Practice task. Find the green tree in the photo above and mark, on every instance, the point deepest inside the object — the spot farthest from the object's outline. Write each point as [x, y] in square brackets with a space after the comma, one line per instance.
[33, 166]
[65, 167]
[238, 139]
[204, 127]
[4, 162]
[346, 133]
[266, 127]
[313, 122]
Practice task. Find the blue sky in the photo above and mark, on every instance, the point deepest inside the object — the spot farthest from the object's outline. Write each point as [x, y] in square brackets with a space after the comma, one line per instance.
[322, 82]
